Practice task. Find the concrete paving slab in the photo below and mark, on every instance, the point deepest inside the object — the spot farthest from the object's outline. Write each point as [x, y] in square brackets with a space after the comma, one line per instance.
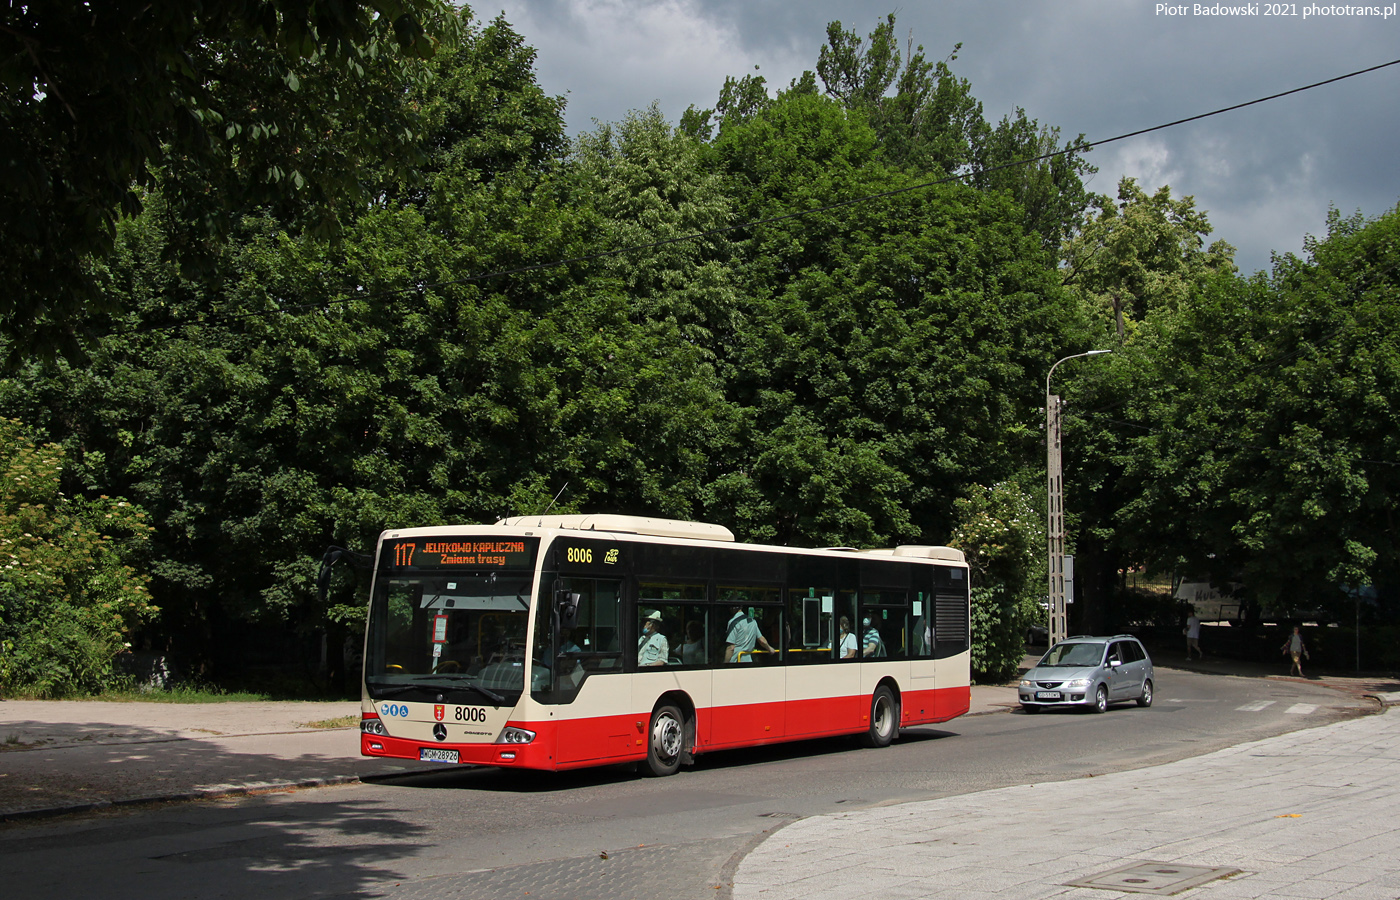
[1271, 808]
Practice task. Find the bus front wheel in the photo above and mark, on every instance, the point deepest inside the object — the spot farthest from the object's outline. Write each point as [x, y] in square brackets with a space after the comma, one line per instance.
[664, 744]
[884, 718]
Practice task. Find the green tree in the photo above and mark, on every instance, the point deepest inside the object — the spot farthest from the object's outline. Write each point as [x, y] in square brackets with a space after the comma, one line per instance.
[927, 120]
[889, 346]
[1141, 253]
[104, 101]
[1253, 425]
[325, 402]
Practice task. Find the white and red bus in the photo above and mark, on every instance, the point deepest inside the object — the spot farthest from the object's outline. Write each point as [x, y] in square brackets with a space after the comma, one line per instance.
[558, 642]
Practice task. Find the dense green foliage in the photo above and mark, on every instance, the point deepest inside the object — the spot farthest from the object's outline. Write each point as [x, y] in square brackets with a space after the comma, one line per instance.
[70, 591]
[222, 105]
[781, 315]
[1247, 431]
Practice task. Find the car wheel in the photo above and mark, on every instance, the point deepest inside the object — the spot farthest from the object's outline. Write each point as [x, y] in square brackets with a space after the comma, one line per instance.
[1146, 698]
[884, 718]
[1101, 699]
[1029, 710]
[664, 745]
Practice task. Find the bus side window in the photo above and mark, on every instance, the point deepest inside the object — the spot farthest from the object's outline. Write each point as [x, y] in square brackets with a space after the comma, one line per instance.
[884, 624]
[682, 620]
[746, 632]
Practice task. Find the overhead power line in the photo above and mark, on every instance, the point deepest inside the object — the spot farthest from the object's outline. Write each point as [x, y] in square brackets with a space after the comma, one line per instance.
[1085, 146]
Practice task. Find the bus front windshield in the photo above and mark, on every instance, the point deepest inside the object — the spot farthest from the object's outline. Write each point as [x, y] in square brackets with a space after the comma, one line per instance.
[456, 637]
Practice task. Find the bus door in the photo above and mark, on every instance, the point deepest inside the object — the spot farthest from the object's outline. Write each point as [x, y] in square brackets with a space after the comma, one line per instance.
[823, 655]
[922, 669]
[748, 682]
[584, 680]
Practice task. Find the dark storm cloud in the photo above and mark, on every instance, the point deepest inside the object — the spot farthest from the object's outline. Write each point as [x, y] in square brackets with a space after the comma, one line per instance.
[1267, 174]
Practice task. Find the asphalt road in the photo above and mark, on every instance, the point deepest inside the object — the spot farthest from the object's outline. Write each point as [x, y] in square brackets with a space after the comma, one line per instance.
[609, 832]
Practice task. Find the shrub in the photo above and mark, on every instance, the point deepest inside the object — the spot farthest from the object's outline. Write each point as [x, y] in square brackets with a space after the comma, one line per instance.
[68, 593]
[1002, 535]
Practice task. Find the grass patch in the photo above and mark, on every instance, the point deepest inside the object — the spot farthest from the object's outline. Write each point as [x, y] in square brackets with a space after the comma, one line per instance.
[182, 694]
[120, 692]
[337, 722]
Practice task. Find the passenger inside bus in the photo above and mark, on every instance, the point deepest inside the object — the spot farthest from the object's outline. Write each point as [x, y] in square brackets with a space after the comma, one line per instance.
[874, 644]
[742, 635]
[847, 643]
[652, 647]
[693, 650]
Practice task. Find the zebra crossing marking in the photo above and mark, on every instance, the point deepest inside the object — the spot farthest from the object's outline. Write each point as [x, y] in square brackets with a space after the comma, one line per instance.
[1256, 706]
[1301, 709]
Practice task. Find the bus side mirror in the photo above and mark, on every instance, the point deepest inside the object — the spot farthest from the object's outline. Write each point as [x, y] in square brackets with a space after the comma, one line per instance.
[567, 603]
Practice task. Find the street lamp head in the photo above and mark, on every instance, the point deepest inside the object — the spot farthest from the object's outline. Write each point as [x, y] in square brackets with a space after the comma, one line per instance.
[1067, 359]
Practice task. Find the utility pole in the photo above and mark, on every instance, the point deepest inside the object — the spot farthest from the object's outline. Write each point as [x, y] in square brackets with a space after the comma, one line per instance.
[1058, 627]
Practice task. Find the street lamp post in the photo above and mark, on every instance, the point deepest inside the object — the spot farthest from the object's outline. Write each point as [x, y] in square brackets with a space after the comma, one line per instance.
[1055, 504]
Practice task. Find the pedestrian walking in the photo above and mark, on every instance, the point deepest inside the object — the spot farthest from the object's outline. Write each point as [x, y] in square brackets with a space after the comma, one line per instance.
[1295, 648]
[1193, 635]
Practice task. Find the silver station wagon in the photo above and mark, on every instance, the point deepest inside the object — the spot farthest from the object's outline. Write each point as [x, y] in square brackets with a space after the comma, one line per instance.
[1090, 673]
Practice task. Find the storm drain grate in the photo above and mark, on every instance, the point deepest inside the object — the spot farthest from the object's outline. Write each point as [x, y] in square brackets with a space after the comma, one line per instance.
[1153, 878]
[779, 815]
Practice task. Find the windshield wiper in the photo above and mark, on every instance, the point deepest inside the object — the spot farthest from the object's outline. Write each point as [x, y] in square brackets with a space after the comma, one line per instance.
[438, 685]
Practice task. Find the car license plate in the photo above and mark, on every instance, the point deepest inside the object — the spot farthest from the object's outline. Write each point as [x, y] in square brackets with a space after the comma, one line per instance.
[1047, 695]
[435, 754]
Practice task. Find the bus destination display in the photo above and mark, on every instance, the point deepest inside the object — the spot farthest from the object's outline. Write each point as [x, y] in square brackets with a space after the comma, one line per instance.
[431, 553]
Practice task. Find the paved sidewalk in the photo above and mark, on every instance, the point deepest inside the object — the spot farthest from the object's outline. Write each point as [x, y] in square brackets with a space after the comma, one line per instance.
[60, 756]
[1308, 814]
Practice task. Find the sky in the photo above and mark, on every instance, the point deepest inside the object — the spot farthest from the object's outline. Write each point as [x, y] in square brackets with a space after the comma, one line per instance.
[1265, 175]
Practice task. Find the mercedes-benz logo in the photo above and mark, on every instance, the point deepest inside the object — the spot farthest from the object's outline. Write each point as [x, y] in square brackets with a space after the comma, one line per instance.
[440, 731]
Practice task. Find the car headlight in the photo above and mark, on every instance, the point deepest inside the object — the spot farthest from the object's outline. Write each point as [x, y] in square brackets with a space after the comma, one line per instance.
[1077, 683]
[1025, 682]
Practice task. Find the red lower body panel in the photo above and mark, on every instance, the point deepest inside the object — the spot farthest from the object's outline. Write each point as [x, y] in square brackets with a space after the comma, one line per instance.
[604, 740]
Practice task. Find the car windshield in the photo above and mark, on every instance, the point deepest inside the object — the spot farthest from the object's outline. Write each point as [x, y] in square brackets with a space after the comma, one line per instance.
[1078, 654]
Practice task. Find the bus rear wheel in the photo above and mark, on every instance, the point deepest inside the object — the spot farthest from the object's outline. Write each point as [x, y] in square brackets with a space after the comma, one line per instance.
[884, 718]
[665, 740]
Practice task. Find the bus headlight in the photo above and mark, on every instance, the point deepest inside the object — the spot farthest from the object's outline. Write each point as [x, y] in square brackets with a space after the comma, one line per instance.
[372, 726]
[513, 735]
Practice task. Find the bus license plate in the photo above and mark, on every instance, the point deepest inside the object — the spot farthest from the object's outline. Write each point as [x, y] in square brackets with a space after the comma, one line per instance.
[435, 754]
[1047, 695]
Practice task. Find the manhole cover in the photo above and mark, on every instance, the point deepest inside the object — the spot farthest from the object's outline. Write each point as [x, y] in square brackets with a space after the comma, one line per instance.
[1153, 878]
